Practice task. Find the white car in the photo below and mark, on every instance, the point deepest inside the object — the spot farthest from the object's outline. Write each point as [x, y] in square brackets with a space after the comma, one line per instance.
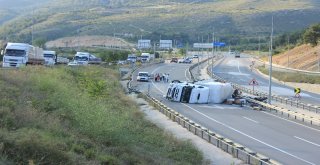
[143, 76]
[195, 56]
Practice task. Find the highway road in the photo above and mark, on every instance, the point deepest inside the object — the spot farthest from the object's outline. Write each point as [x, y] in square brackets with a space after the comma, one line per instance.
[283, 140]
[237, 70]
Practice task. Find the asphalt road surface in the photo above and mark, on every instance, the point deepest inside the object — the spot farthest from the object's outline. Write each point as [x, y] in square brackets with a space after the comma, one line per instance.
[283, 140]
[237, 70]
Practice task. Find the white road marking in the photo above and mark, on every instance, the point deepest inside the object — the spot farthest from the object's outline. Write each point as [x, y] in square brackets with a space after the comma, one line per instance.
[250, 119]
[318, 145]
[239, 67]
[185, 74]
[314, 129]
[278, 149]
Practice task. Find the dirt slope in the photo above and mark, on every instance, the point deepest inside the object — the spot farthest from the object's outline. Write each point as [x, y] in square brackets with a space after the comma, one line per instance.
[304, 57]
[89, 41]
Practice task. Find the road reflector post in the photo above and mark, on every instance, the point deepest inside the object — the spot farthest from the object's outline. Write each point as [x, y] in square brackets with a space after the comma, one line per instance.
[176, 117]
[219, 139]
[237, 148]
[262, 158]
[250, 153]
[228, 145]
[191, 125]
[197, 130]
[185, 122]
[203, 132]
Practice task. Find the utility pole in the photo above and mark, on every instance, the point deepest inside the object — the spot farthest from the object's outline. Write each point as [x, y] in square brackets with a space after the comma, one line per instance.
[270, 63]
[259, 47]
[318, 62]
[212, 48]
[288, 50]
[32, 27]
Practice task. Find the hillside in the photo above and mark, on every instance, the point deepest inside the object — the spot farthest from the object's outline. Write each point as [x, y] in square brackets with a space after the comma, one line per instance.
[182, 20]
[89, 41]
[80, 116]
[304, 57]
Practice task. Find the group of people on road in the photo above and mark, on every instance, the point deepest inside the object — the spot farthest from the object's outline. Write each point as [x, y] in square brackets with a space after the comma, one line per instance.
[161, 77]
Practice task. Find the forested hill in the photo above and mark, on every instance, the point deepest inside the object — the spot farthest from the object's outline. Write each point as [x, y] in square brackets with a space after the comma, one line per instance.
[178, 19]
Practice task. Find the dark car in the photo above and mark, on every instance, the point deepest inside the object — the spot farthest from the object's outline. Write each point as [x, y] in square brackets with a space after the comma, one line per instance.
[174, 60]
[187, 61]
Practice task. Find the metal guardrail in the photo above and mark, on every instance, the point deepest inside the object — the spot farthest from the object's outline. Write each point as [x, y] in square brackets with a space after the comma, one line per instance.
[287, 113]
[236, 150]
[282, 111]
[287, 101]
[285, 69]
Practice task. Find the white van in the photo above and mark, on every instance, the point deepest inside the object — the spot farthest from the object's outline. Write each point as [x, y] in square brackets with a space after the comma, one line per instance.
[143, 76]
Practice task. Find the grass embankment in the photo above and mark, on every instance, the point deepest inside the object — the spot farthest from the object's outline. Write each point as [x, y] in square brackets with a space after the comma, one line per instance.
[79, 116]
[292, 77]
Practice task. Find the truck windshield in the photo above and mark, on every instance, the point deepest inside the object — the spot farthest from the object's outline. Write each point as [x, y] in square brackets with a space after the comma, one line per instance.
[14, 52]
[78, 58]
[48, 55]
[143, 74]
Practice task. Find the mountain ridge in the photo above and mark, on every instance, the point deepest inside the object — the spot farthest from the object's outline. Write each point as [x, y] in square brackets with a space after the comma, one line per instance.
[183, 20]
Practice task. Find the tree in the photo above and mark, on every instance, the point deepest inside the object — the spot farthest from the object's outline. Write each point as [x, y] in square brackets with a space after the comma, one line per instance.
[312, 35]
[40, 42]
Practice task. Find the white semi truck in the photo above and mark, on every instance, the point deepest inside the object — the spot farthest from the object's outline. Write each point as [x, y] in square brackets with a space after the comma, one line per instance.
[21, 54]
[50, 57]
[146, 57]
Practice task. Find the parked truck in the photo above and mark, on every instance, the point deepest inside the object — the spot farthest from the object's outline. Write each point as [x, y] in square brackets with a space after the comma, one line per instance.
[21, 54]
[50, 57]
[146, 57]
[62, 60]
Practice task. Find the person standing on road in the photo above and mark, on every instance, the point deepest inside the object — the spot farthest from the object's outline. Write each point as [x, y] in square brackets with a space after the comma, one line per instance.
[167, 77]
[163, 77]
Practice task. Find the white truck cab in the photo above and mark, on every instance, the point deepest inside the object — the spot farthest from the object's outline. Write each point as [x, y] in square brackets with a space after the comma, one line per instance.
[145, 57]
[21, 54]
[49, 57]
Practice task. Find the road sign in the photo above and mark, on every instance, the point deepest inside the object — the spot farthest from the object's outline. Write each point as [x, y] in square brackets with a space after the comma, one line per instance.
[253, 82]
[165, 44]
[219, 44]
[144, 44]
[203, 45]
[297, 90]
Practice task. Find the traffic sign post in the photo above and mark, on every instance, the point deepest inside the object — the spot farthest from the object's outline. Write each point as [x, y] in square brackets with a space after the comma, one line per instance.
[253, 82]
[297, 92]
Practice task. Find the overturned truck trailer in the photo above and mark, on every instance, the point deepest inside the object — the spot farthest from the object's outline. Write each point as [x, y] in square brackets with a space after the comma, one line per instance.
[199, 93]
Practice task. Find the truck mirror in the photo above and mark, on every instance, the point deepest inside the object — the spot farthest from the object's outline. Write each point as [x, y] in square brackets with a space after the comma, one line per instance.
[2, 52]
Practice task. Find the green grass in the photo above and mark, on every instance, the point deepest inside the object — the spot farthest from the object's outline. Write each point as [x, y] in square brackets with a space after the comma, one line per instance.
[79, 116]
[292, 77]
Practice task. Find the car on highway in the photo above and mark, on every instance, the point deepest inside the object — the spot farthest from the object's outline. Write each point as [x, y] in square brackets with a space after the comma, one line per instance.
[195, 56]
[185, 60]
[180, 60]
[174, 60]
[143, 76]
[237, 54]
